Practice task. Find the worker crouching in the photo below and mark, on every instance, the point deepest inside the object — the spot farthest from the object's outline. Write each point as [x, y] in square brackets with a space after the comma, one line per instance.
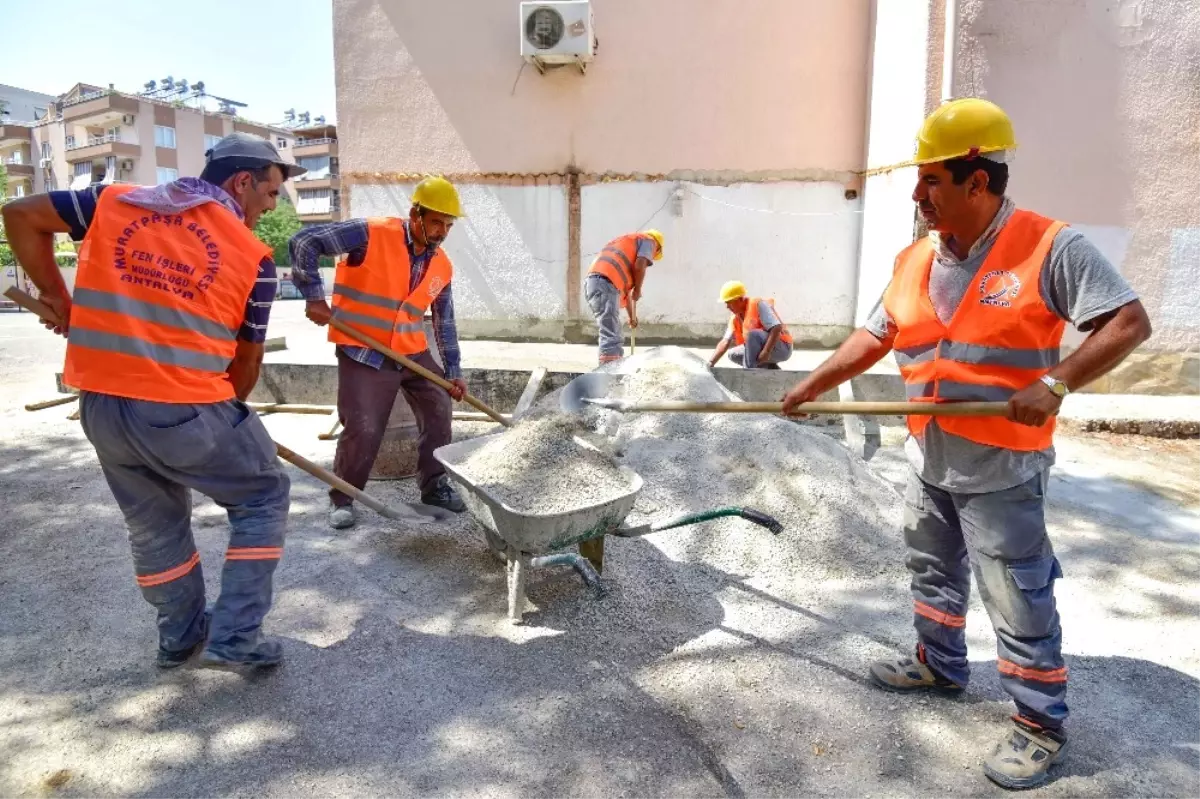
[756, 337]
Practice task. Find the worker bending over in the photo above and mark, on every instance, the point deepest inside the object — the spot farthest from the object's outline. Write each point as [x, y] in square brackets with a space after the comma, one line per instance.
[615, 282]
[165, 335]
[976, 311]
[756, 338]
[395, 271]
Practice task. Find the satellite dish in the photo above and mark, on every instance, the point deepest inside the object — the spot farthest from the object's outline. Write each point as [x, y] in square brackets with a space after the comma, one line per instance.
[198, 86]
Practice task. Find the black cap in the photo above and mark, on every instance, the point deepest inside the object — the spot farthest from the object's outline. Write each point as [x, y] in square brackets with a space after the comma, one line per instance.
[251, 151]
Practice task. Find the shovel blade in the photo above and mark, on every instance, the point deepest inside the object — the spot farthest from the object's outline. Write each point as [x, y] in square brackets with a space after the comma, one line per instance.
[593, 385]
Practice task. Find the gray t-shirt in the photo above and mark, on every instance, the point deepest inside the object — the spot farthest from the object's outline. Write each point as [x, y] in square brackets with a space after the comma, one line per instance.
[1079, 284]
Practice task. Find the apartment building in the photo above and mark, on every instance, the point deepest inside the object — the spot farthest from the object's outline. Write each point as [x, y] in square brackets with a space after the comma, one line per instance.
[318, 192]
[19, 109]
[95, 135]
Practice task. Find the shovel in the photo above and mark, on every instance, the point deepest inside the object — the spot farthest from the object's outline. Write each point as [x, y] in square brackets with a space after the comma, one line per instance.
[592, 389]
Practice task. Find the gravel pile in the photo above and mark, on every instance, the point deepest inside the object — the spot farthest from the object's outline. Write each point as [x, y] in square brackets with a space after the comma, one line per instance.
[841, 521]
[538, 467]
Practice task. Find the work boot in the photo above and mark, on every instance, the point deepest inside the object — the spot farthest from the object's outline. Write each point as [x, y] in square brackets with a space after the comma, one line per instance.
[267, 654]
[342, 516]
[441, 495]
[1023, 759]
[909, 674]
[167, 659]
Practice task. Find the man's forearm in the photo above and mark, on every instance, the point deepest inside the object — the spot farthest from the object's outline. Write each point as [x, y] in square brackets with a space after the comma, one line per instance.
[245, 368]
[858, 353]
[30, 232]
[719, 353]
[1113, 339]
[769, 345]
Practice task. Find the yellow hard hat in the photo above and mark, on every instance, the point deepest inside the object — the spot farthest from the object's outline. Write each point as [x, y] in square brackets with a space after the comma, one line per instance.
[437, 194]
[658, 239]
[732, 290]
[962, 128]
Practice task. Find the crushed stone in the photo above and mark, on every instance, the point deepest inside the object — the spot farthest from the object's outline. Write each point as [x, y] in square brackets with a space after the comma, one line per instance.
[840, 519]
[538, 467]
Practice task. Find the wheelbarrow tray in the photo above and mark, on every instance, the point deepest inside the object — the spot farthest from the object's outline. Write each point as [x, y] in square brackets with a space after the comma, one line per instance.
[535, 533]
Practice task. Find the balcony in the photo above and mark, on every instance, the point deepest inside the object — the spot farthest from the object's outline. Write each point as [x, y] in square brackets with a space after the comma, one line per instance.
[15, 134]
[328, 182]
[307, 147]
[104, 106]
[101, 147]
[18, 169]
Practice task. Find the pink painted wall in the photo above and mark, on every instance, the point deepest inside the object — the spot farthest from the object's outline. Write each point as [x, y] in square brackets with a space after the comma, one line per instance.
[434, 86]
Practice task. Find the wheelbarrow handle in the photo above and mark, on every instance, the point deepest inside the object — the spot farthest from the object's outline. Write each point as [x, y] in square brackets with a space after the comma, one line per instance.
[749, 514]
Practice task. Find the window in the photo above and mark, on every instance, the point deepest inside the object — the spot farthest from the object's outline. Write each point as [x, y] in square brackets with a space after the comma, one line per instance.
[166, 174]
[314, 201]
[70, 142]
[281, 143]
[20, 189]
[83, 168]
[38, 113]
[45, 149]
[164, 137]
[317, 166]
[210, 142]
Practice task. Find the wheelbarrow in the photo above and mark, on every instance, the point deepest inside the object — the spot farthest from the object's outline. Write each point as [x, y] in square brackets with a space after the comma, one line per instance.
[537, 541]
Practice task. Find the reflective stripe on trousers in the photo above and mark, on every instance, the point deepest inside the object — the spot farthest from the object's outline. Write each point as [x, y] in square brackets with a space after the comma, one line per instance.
[153, 455]
[1015, 568]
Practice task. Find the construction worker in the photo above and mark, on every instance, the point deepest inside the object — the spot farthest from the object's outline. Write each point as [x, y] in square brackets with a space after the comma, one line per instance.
[976, 311]
[165, 334]
[395, 271]
[614, 282]
[756, 338]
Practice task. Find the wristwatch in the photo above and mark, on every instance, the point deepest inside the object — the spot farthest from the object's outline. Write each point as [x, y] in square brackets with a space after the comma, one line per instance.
[1057, 387]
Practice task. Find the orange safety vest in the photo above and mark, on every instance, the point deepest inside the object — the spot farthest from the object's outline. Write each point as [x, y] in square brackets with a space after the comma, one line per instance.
[615, 262]
[158, 301]
[737, 327]
[1001, 339]
[375, 297]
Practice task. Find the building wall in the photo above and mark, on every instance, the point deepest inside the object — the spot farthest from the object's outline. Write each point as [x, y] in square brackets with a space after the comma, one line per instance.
[1104, 97]
[775, 163]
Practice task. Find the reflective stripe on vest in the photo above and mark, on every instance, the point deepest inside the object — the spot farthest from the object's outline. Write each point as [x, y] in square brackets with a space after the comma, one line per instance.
[375, 297]
[1002, 337]
[158, 301]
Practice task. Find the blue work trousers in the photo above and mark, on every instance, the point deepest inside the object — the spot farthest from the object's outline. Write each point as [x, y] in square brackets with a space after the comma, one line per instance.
[747, 355]
[153, 455]
[1001, 537]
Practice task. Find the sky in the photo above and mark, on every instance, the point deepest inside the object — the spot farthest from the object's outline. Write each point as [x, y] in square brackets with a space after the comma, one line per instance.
[270, 54]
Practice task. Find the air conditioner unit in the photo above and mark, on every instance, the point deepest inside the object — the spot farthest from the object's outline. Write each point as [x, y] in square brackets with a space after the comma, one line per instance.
[558, 32]
[45, 162]
[127, 119]
[127, 166]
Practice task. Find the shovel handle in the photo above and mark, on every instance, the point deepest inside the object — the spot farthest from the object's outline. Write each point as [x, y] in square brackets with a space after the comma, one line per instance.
[330, 479]
[407, 363]
[852, 408]
[31, 303]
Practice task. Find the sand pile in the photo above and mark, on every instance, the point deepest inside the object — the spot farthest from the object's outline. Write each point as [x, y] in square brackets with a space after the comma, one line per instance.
[538, 467]
[840, 519]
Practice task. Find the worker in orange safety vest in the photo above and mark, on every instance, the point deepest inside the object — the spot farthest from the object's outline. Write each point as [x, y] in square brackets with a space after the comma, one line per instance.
[165, 330]
[756, 338]
[614, 282]
[976, 311]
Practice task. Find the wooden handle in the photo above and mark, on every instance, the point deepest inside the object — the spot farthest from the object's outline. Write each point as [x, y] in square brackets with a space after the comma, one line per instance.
[38, 406]
[29, 303]
[367, 341]
[332, 480]
[851, 408]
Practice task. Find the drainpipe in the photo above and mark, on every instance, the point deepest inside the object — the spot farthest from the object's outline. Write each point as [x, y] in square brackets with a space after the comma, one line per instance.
[949, 49]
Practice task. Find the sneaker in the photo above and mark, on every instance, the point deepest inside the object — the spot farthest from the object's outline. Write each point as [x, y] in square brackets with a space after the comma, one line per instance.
[441, 495]
[267, 654]
[910, 674]
[1023, 759]
[342, 516]
[166, 659]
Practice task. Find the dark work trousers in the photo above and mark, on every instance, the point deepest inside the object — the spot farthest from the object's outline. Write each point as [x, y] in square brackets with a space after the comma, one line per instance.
[365, 400]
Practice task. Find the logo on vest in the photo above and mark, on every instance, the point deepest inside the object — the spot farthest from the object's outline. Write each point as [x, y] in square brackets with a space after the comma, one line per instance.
[999, 288]
[436, 284]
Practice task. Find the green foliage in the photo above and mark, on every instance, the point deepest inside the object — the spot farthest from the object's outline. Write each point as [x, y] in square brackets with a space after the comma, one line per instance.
[276, 227]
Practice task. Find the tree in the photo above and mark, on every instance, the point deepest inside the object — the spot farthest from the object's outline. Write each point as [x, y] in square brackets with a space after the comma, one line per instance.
[274, 228]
